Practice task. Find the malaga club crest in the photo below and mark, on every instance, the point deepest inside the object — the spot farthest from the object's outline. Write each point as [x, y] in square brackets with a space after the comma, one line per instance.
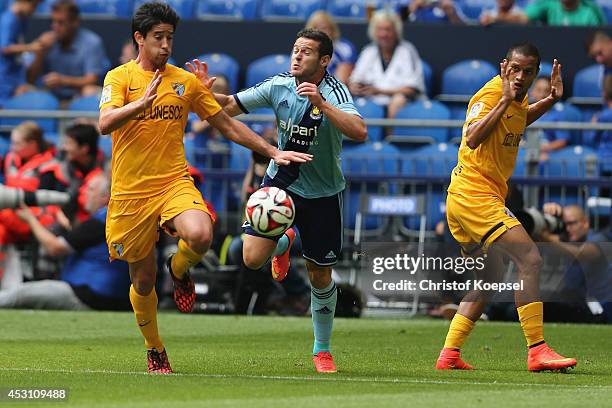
[178, 88]
[315, 113]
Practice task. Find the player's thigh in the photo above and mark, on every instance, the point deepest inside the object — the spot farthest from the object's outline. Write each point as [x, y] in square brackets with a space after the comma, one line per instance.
[319, 221]
[184, 210]
[132, 228]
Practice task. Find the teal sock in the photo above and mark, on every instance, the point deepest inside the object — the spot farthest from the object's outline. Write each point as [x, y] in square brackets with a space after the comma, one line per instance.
[323, 308]
[281, 245]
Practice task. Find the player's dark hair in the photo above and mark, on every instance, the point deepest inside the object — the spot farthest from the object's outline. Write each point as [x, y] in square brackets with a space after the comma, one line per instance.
[149, 15]
[526, 49]
[85, 135]
[68, 6]
[326, 46]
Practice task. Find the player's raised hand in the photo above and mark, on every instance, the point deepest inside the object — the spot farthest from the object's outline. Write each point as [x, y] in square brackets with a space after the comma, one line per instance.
[311, 91]
[151, 91]
[508, 90]
[556, 82]
[200, 70]
[283, 158]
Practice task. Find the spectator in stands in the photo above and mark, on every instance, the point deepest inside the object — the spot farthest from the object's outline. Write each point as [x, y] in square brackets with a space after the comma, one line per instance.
[564, 13]
[591, 273]
[343, 60]
[601, 140]
[599, 47]
[552, 139]
[82, 162]
[128, 52]
[389, 70]
[13, 24]
[436, 11]
[72, 59]
[89, 280]
[505, 12]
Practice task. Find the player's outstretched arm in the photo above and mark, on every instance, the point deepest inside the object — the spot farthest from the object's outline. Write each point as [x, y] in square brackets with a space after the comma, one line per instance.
[478, 132]
[352, 126]
[239, 133]
[536, 110]
[112, 118]
[227, 102]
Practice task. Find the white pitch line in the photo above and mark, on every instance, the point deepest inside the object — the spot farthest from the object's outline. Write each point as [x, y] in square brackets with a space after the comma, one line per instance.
[296, 378]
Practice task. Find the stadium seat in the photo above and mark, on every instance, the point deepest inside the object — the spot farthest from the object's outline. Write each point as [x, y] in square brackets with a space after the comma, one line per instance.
[432, 160]
[370, 110]
[378, 158]
[354, 10]
[105, 143]
[228, 9]
[106, 8]
[587, 82]
[466, 77]
[184, 8]
[86, 103]
[457, 111]
[473, 8]
[265, 67]
[37, 100]
[223, 64]
[573, 161]
[5, 145]
[288, 9]
[44, 8]
[422, 110]
[545, 69]
[428, 77]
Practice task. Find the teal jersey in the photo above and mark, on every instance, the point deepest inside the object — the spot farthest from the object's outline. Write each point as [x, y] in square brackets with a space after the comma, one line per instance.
[303, 128]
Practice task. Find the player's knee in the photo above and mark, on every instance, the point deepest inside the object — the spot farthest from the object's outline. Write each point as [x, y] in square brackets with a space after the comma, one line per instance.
[252, 258]
[531, 261]
[143, 284]
[320, 277]
[199, 238]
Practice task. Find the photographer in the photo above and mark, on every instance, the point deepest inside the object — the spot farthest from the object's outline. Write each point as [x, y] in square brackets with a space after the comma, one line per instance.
[591, 272]
[88, 280]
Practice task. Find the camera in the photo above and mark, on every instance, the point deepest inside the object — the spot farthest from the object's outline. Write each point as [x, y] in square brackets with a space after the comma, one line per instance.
[535, 221]
[13, 197]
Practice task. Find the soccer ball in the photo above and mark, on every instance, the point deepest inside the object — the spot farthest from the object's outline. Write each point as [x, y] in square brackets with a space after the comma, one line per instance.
[270, 211]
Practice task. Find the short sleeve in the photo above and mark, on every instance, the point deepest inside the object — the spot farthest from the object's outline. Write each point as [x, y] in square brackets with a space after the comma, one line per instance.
[203, 102]
[481, 107]
[8, 29]
[258, 96]
[341, 98]
[113, 92]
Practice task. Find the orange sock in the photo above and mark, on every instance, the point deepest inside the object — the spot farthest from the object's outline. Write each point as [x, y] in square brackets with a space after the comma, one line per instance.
[184, 259]
[145, 309]
[458, 332]
[531, 317]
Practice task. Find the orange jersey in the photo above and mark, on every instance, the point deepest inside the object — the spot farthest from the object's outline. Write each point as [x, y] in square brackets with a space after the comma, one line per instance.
[148, 152]
[486, 169]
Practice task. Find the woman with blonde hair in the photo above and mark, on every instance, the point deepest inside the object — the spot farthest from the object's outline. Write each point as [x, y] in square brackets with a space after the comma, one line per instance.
[389, 69]
[344, 57]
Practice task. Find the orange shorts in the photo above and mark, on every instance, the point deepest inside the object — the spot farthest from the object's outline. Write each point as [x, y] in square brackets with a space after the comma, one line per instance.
[476, 222]
[132, 226]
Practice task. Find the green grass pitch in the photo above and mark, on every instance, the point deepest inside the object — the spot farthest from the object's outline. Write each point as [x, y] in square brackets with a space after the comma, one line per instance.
[228, 361]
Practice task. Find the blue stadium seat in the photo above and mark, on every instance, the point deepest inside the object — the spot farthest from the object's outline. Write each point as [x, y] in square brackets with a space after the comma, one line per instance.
[572, 161]
[240, 157]
[110, 8]
[86, 103]
[44, 7]
[466, 77]
[370, 110]
[428, 76]
[378, 158]
[422, 110]
[473, 8]
[5, 146]
[230, 9]
[184, 8]
[289, 9]
[587, 82]
[38, 100]
[457, 111]
[265, 67]
[347, 9]
[223, 64]
[105, 143]
[545, 69]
